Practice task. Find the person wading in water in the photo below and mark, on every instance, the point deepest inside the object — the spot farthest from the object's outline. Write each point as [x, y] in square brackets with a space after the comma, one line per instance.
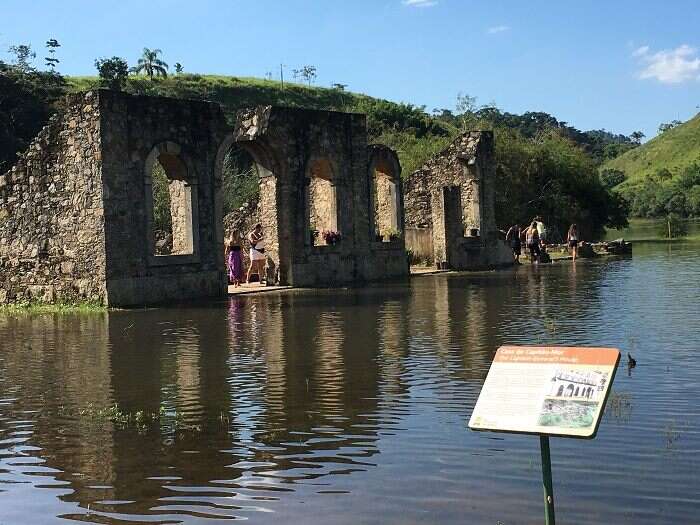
[532, 239]
[572, 238]
[513, 238]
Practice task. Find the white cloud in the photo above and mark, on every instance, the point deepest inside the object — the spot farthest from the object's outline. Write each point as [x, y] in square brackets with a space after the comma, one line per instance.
[669, 66]
[419, 3]
[497, 29]
[640, 51]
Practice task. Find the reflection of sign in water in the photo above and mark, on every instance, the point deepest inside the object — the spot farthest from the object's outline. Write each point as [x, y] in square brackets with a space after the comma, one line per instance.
[546, 390]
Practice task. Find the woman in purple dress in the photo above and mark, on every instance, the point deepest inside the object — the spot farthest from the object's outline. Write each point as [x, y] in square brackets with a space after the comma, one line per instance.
[234, 262]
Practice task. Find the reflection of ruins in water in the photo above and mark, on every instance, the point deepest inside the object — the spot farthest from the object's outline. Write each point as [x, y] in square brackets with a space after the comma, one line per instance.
[251, 396]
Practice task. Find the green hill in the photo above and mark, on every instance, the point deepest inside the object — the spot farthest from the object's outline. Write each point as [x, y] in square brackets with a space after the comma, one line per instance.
[662, 177]
[673, 150]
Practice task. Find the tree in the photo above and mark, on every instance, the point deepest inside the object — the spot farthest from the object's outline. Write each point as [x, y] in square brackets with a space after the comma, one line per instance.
[23, 55]
[113, 72]
[466, 108]
[308, 73]
[612, 177]
[637, 137]
[151, 64]
[51, 60]
[663, 127]
[339, 86]
[178, 68]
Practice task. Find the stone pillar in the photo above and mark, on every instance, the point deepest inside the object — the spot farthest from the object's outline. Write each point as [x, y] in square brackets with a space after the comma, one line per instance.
[447, 224]
[181, 216]
[268, 219]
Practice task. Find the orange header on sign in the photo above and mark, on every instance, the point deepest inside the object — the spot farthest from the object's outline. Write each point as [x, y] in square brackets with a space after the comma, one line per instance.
[557, 355]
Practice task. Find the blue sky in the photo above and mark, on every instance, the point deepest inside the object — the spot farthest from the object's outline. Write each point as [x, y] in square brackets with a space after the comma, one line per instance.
[621, 65]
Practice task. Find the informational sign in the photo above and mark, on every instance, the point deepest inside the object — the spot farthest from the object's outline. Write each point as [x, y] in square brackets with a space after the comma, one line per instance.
[550, 391]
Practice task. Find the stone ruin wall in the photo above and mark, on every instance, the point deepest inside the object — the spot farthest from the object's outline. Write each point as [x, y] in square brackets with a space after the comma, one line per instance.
[74, 211]
[51, 216]
[455, 192]
[185, 134]
[444, 169]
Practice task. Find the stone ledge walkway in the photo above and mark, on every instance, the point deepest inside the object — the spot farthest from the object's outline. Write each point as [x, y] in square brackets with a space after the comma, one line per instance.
[427, 270]
[248, 288]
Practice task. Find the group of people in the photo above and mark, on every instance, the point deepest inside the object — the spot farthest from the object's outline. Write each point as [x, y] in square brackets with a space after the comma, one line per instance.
[234, 256]
[534, 237]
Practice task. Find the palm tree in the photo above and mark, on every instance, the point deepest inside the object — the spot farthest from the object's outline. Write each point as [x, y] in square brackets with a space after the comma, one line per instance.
[151, 64]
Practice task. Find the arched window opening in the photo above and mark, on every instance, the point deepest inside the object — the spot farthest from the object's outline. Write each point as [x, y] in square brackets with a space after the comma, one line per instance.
[322, 204]
[386, 202]
[560, 392]
[570, 390]
[172, 206]
[240, 179]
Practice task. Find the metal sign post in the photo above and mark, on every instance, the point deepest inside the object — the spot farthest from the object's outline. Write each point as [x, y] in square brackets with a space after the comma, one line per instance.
[547, 481]
[546, 391]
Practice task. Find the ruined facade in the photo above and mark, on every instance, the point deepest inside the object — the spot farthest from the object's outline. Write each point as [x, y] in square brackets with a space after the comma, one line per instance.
[318, 175]
[449, 207]
[82, 215]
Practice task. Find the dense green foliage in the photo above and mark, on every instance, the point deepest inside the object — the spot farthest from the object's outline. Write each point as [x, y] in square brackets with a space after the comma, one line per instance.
[544, 166]
[240, 179]
[552, 177]
[665, 192]
[662, 176]
[160, 185]
[113, 72]
[27, 100]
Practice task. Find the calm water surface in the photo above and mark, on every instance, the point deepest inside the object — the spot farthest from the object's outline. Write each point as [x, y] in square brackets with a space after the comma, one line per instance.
[350, 406]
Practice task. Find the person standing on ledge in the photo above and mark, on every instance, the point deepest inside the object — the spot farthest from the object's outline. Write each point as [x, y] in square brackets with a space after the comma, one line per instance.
[513, 238]
[573, 240]
[234, 260]
[257, 253]
[541, 229]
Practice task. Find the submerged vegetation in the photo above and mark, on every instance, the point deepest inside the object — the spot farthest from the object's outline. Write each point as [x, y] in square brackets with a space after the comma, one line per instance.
[31, 308]
[142, 421]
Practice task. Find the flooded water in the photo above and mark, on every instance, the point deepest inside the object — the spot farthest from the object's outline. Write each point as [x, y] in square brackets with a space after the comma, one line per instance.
[351, 406]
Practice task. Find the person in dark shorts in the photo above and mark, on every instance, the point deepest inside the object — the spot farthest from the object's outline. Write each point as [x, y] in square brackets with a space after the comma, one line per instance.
[513, 238]
[572, 238]
[532, 240]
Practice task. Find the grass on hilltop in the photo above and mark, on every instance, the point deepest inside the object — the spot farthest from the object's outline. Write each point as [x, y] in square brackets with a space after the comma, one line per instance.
[673, 150]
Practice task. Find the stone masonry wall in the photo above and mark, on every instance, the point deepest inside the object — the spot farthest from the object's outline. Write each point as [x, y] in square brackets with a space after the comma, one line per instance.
[466, 167]
[458, 165]
[186, 133]
[289, 144]
[51, 217]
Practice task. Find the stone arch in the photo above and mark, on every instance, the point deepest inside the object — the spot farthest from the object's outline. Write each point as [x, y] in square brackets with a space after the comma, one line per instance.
[385, 192]
[321, 200]
[560, 392]
[170, 185]
[267, 170]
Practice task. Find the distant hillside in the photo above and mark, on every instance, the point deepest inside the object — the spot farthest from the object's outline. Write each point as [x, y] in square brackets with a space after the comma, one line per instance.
[673, 150]
[662, 177]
